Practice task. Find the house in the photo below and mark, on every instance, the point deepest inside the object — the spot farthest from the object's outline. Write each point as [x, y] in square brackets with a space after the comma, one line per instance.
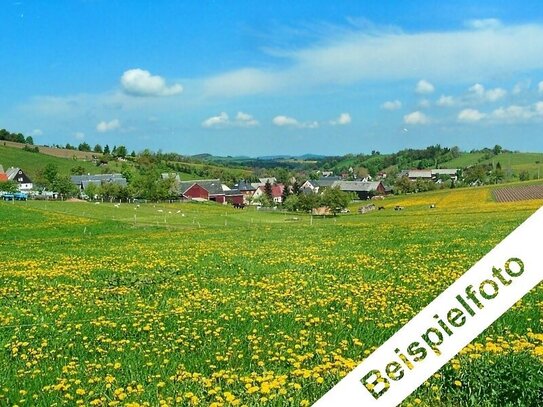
[310, 187]
[451, 172]
[23, 181]
[363, 190]
[277, 192]
[430, 174]
[262, 181]
[246, 189]
[83, 181]
[203, 190]
[3, 175]
[413, 175]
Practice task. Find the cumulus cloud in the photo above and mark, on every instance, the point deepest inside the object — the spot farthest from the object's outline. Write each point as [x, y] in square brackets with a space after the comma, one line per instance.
[470, 116]
[424, 103]
[36, 132]
[540, 87]
[484, 24]
[342, 120]
[392, 105]
[516, 113]
[445, 101]
[416, 118]
[105, 126]
[285, 121]
[139, 82]
[424, 87]
[490, 95]
[223, 120]
[79, 135]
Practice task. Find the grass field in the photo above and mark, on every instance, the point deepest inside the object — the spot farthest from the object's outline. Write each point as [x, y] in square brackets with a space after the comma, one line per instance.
[200, 304]
[32, 162]
[517, 162]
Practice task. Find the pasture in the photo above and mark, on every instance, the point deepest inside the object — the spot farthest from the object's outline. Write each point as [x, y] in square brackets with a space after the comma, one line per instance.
[202, 304]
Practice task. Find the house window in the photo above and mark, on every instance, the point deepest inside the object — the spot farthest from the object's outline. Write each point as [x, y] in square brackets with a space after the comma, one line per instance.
[20, 179]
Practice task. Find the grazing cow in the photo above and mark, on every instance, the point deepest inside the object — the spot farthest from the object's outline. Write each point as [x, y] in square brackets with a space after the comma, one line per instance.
[238, 205]
[381, 208]
[432, 206]
[398, 208]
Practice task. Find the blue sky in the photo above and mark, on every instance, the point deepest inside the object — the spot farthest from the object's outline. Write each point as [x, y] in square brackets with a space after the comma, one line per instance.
[281, 77]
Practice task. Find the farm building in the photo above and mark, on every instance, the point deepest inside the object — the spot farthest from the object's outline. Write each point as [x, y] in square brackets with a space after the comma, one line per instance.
[277, 192]
[245, 188]
[234, 197]
[82, 181]
[23, 181]
[430, 174]
[3, 175]
[363, 190]
[262, 181]
[203, 190]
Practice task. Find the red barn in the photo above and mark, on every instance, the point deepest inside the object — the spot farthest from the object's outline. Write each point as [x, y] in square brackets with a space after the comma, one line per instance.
[204, 190]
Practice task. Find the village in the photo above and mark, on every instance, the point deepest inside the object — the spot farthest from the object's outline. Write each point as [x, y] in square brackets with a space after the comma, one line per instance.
[322, 195]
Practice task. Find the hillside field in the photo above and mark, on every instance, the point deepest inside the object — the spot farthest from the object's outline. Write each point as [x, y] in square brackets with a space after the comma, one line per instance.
[200, 304]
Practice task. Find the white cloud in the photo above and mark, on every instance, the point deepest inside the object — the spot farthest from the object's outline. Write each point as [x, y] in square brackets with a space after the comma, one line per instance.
[470, 116]
[491, 95]
[424, 87]
[515, 113]
[285, 121]
[79, 135]
[445, 101]
[36, 132]
[104, 126]
[357, 56]
[342, 120]
[223, 120]
[139, 82]
[540, 87]
[424, 103]
[245, 120]
[416, 118]
[484, 24]
[392, 105]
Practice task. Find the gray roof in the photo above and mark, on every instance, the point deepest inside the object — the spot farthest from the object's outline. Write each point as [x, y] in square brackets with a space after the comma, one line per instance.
[244, 186]
[325, 181]
[212, 186]
[11, 172]
[233, 192]
[98, 179]
[356, 186]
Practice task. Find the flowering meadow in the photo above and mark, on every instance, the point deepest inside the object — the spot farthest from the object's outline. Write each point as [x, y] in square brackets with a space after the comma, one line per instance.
[197, 304]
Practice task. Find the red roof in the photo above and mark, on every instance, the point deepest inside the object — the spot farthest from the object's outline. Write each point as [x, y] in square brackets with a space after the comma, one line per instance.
[3, 177]
[277, 190]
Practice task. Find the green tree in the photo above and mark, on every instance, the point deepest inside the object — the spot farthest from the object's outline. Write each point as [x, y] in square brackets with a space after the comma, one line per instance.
[307, 202]
[29, 140]
[84, 147]
[78, 170]
[268, 190]
[335, 199]
[9, 186]
[106, 150]
[97, 148]
[292, 203]
[64, 186]
[286, 193]
[497, 149]
[50, 174]
[120, 152]
[524, 175]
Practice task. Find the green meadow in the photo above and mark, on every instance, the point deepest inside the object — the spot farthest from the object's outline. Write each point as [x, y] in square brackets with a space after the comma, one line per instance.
[201, 304]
